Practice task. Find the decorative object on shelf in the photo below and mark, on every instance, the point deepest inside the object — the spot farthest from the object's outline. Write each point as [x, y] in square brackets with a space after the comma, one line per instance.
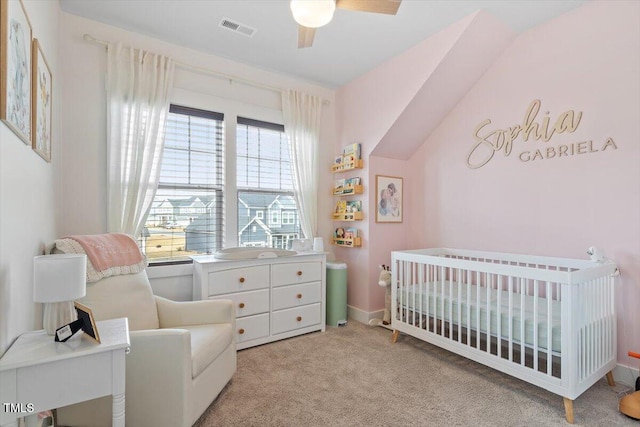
[388, 198]
[42, 92]
[15, 68]
[348, 210]
[85, 322]
[347, 187]
[349, 237]
[58, 280]
[351, 158]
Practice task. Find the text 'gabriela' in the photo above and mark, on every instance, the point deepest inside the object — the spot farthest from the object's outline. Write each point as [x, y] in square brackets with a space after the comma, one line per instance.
[488, 142]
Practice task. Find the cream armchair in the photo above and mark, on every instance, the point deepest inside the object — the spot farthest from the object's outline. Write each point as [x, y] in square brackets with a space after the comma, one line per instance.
[182, 354]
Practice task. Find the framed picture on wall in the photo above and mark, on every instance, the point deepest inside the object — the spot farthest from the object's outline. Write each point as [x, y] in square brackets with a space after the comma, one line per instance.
[42, 92]
[15, 68]
[388, 198]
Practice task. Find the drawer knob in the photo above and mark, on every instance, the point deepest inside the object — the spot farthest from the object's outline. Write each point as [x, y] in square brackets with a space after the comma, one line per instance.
[242, 280]
[241, 331]
[299, 296]
[299, 273]
[299, 318]
[241, 305]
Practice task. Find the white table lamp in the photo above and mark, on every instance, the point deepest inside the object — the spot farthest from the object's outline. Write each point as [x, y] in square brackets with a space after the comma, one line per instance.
[57, 281]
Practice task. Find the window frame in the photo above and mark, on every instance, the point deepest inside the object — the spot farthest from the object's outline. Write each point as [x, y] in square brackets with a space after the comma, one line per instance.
[270, 213]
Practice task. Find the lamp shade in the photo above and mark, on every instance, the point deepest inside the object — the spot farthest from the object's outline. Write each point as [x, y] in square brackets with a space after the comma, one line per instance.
[59, 277]
[313, 13]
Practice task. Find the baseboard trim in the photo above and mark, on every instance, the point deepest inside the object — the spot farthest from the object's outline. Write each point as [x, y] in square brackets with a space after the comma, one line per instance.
[625, 375]
[354, 313]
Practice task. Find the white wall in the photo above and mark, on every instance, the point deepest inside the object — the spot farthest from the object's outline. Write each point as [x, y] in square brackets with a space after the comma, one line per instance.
[27, 196]
[83, 175]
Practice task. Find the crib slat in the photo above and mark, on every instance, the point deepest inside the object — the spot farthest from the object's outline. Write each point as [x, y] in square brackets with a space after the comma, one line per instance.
[459, 305]
[522, 320]
[442, 296]
[450, 287]
[488, 283]
[478, 305]
[499, 314]
[510, 318]
[549, 296]
[468, 302]
[535, 324]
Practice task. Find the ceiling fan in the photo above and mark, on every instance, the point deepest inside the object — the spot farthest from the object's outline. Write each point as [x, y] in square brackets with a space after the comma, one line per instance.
[312, 14]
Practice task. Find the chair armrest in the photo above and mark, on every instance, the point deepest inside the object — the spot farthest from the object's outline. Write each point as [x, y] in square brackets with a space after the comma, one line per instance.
[173, 314]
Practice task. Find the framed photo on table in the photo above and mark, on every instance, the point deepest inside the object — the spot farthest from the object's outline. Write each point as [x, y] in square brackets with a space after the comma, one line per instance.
[15, 68]
[42, 93]
[85, 314]
[388, 199]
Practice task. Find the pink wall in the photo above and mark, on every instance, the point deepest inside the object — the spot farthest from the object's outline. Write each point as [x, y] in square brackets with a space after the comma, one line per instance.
[587, 60]
[366, 108]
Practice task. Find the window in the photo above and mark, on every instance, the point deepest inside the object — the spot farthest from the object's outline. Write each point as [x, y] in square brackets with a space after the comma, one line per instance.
[260, 214]
[265, 183]
[186, 216]
[275, 217]
[288, 217]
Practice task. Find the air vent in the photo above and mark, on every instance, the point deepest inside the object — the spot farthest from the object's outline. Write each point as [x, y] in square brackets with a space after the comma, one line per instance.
[237, 27]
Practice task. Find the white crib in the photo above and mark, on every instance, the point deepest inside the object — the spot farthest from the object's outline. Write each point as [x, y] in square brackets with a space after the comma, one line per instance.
[548, 321]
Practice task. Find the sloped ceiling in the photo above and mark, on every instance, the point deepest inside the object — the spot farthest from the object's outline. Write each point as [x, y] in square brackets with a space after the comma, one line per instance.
[479, 44]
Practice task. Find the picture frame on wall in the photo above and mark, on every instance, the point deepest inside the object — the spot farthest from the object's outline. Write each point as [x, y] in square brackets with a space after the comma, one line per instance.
[389, 192]
[15, 68]
[42, 87]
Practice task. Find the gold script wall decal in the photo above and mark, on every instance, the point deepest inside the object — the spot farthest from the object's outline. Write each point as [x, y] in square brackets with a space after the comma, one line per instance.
[488, 142]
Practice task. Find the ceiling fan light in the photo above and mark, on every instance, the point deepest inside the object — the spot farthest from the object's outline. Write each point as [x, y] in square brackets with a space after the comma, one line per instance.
[313, 13]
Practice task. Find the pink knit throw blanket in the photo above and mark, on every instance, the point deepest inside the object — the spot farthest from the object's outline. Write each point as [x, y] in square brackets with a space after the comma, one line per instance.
[109, 250]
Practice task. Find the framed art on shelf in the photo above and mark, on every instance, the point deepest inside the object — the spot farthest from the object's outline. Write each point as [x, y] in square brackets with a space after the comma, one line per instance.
[388, 199]
[42, 92]
[15, 68]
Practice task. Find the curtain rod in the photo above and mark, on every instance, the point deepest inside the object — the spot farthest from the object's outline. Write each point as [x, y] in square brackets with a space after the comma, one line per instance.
[231, 78]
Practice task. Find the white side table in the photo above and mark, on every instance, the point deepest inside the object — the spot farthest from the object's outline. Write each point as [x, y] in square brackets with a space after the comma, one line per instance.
[37, 373]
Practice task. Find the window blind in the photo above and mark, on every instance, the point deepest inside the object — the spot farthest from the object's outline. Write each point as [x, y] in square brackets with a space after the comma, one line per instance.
[186, 217]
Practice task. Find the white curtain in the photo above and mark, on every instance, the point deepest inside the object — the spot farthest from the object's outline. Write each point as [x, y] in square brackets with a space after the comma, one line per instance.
[302, 114]
[138, 86]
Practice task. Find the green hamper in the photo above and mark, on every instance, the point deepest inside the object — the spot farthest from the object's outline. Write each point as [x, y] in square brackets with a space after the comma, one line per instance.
[336, 293]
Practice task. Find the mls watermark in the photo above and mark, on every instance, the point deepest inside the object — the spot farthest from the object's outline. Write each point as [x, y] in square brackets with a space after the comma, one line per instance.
[18, 408]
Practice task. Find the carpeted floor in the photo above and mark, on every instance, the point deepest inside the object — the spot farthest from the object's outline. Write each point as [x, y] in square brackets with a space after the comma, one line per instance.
[354, 376]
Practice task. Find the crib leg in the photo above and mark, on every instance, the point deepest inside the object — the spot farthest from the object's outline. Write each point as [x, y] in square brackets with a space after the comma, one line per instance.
[610, 380]
[568, 409]
[394, 337]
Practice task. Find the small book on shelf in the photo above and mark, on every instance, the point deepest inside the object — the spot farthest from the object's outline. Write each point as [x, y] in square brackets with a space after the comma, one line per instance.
[354, 206]
[341, 206]
[352, 151]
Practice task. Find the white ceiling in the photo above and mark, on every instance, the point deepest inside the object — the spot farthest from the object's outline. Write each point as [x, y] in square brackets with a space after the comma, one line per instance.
[349, 46]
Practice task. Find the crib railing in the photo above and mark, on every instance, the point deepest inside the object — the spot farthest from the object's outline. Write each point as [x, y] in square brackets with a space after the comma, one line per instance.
[548, 321]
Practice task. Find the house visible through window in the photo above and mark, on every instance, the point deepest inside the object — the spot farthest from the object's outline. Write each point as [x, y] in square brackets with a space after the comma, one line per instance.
[265, 184]
[186, 216]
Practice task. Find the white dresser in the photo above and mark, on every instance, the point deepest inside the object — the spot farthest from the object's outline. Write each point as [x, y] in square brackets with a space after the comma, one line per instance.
[275, 298]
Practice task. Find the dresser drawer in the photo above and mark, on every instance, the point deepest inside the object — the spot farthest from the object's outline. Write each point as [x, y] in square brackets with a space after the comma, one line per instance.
[238, 280]
[298, 272]
[248, 303]
[295, 318]
[296, 295]
[252, 327]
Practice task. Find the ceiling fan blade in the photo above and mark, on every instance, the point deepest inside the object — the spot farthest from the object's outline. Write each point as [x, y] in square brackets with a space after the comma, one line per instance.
[305, 36]
[389, 7]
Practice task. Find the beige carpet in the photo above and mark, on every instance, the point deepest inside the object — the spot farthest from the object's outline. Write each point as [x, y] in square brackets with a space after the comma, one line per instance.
[354, 376]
